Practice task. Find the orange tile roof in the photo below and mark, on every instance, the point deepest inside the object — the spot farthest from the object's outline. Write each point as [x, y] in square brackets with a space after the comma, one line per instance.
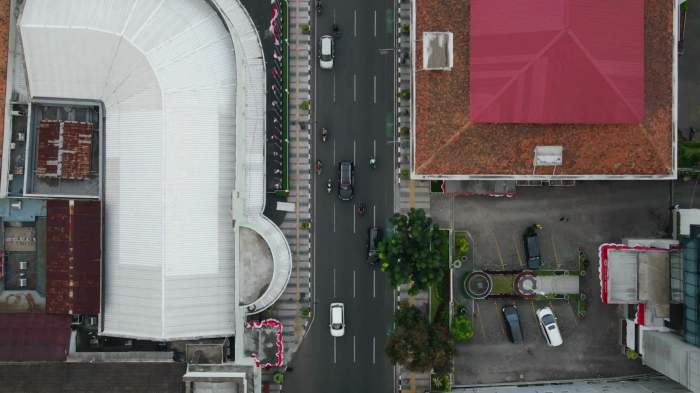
[4, 58]
[448, 143]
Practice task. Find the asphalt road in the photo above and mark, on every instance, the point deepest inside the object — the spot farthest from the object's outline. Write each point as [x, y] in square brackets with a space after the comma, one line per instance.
[354, 102]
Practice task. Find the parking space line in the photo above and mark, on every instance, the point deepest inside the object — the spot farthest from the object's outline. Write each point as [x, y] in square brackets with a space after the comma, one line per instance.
[375, 23]
[477, 314]
[503, 329]
[334, 349]
[498, 251]
[517, 251]
[556, 253]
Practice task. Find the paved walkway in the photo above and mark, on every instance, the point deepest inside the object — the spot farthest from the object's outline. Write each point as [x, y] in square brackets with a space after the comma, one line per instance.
[297, 295]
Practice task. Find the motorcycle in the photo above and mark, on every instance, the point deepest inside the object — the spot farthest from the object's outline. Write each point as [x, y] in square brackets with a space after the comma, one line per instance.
[336, 31]
[324, 134]
[329, 186]
[319, 167]
[372, 162]
[361, 209]
[319, 7]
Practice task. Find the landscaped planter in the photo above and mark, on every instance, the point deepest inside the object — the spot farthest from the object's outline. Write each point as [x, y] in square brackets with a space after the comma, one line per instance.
[477, 285]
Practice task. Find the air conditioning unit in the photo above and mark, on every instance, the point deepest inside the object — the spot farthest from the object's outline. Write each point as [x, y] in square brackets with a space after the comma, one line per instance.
[20, 137]
[22, 282]
[23, 265]
[17, 205]
[92, 321]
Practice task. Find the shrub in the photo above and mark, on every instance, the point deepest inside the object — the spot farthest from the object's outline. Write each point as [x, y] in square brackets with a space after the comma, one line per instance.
[631, 355]
[462, 245]
[305, 28]
[305, 105]
[462, 329]
[305, 312]
[442, 382]
[278, 377]
[404, 131]
[405, 28]
[404, 174]
[405, 94]
[306, 224]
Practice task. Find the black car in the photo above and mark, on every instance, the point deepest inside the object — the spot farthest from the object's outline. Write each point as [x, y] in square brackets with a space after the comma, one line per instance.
[346, 180]
[515, 331]
[374, 235]
[532, 248]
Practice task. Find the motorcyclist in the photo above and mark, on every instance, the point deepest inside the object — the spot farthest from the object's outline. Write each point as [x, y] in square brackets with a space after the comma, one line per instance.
[329, 186]
[324, 134]
[361, 209]
[372, 162]
[319, 7]
[319, 167]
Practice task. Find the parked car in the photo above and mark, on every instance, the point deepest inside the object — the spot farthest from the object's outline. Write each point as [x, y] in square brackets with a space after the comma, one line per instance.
[532, 248]
[549, 327]
[374, 235]
[337, 324]
[515, 331]
[326, 52]
[346, 179]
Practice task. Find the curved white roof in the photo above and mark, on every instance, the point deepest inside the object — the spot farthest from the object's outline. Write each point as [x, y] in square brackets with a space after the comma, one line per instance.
[166, 72]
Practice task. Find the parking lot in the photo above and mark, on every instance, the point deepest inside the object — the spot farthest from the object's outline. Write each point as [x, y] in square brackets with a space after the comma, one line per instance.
[594, 213]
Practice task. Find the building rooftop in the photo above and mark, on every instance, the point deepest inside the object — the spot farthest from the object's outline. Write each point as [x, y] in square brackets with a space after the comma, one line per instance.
[449, 142]
[73, 257]
[33, 337]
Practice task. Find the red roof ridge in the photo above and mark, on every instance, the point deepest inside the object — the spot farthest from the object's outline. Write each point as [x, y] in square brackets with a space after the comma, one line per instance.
[518, 74]
[607, 80]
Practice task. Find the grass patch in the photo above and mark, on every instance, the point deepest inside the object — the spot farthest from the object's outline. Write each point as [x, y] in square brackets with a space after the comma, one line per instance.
[688, 154]
[503, 284]
[461, 245]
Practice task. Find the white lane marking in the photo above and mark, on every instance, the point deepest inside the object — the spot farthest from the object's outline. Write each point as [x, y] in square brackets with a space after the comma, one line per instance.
[334, 282]
[354, 151]
[374, 357]
[354, 354]
[354, 88]
[375, 23]
[374, 283]
[334, 87]
[354, 22]
[374, 215]
[354, 218]
[353, 284]
[333, 215]
[374, 148]
[335, 339]
[334, 151]
[374, 89]
[333, 15]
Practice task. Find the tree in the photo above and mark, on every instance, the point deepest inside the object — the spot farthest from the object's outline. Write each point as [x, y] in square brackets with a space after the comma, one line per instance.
[409, 343]
[412, 254]
[418, 345]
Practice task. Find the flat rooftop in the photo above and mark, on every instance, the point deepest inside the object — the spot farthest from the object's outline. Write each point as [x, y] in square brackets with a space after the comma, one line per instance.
[448, 142]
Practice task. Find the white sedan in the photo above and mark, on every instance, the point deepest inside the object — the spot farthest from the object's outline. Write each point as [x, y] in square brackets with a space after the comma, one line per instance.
[337, 324]
[549, 327]
[327, 52]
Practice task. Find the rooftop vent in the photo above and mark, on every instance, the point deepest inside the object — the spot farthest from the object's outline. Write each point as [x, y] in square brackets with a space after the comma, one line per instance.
[437, 51]
[548, 155]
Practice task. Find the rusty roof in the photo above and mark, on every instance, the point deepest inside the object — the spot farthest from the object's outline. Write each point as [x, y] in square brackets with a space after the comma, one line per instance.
[34, 337]
[448, 142]
[73, 257]
[4, 44]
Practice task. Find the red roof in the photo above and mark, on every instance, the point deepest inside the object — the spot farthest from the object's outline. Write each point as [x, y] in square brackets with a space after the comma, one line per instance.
[73, 257]
[557, 61]
[34, 337]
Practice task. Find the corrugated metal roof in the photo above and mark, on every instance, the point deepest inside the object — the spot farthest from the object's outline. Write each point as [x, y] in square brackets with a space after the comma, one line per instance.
[34, 337]
[557, 61]
[73, 257]
[166, 72]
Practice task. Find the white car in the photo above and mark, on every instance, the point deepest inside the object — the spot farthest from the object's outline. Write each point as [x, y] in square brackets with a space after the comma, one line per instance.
[549, 327]
[337, 324]
[327, 52]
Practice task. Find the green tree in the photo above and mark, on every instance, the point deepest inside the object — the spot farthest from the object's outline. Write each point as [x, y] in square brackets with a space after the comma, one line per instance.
[411, 255]
[409, 343]
[418, 345]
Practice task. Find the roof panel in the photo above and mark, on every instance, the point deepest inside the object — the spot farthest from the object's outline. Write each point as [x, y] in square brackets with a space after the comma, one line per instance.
[576, 62]
[34, 337]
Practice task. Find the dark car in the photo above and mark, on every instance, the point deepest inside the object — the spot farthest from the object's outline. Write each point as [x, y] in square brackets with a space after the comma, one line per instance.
[532, 248]
[346, 180]
[374, 235]
[515, 331]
